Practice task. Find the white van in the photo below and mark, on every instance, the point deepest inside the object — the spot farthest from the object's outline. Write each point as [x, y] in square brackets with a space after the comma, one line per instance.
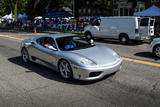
[122, 28]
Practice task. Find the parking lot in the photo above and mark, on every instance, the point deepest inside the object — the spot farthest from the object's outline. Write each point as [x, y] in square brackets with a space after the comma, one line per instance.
[136, 84]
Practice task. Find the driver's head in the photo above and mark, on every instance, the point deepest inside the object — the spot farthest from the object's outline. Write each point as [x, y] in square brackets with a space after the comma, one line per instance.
[68, 40]
[50, 41]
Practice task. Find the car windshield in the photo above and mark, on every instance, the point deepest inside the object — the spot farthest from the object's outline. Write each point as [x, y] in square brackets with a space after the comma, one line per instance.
[73, 43]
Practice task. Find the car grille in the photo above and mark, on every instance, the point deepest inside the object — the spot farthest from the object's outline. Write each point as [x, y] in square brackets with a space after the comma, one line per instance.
[94, 74]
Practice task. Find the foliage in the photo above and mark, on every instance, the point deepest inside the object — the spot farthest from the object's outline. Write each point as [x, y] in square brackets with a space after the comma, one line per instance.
[15, 10]
[45, 6]
[6, 6]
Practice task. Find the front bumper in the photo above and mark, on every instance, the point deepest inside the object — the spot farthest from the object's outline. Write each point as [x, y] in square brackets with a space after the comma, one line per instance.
[84, 73]
[150, 48]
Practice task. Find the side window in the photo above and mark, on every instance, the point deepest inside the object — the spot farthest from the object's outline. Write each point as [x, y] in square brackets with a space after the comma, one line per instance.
[96, 22]
[50, 41]
[152, 23]
[40, 41]
[144, 22]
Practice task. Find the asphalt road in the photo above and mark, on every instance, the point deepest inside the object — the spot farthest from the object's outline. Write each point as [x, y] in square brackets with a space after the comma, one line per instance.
[32, 85]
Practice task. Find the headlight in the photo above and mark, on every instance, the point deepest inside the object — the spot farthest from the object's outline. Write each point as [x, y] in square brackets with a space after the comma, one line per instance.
[86, 61]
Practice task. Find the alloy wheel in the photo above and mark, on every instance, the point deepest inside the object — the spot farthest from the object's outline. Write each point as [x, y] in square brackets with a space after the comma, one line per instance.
[25, 55]
[124, 40]
[88, 36]
[157, 51]
[65, 69]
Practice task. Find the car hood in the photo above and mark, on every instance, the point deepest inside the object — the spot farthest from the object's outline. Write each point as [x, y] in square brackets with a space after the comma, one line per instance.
[156, 39]
[100, 55]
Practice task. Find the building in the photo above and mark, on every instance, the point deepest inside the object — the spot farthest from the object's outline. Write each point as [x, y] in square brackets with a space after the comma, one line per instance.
[152, 2]
[121, 8]
[93, 8]
[128, 7]
[111, 7]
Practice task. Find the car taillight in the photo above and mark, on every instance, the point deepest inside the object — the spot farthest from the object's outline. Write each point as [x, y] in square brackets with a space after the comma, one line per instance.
[136, 30]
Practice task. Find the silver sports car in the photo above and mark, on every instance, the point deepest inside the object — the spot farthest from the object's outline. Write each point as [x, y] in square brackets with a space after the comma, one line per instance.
[155, 47]
[72, 56]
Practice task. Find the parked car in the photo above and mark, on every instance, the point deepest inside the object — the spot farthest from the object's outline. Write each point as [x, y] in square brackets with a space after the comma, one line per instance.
[122, 28]
[155, 47]
[72, 56]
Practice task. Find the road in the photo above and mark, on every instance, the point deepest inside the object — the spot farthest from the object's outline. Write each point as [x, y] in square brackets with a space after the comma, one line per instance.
[32, 85]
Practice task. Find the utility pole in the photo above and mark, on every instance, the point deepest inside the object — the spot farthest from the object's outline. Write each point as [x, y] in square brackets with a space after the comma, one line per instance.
[15, 11]
[76, 11]
[73, 12]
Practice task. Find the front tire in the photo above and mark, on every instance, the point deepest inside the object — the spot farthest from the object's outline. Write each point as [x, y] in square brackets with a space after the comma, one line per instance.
[65, 69]
[25, 55]
[156, 51]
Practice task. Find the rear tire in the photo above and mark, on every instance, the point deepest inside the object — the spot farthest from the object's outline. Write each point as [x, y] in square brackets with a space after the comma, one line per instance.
[124, 39]
[25, 55]
[156, 51]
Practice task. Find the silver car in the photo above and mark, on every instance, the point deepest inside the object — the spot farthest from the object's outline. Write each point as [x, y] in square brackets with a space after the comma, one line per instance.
[155, 47]
[72, 56]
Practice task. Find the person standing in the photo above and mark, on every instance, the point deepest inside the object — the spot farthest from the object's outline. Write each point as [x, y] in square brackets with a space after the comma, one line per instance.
[52, 23]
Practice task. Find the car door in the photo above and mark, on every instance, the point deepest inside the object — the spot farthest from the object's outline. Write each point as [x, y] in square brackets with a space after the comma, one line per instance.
[107, 28]
[95, 29]
[144, 27]
[44, 54]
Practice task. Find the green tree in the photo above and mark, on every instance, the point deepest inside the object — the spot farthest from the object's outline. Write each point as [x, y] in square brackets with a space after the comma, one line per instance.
[6, 6]
[15, 11]
[44, 6]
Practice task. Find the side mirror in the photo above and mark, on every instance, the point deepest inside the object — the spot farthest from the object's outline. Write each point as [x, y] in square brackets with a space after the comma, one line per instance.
[32, 42]
[51, 47]
[91, 41]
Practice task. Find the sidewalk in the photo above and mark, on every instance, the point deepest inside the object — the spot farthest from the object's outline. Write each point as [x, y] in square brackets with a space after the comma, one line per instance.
[26, 35]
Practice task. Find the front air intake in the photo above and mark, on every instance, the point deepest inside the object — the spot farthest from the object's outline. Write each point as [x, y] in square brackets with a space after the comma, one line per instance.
[94, 74]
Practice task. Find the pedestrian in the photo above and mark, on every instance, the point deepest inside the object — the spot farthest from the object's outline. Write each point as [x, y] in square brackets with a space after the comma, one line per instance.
[52, 23]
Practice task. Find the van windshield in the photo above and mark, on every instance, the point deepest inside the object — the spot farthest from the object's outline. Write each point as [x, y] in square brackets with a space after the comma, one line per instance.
[96, 22]
[144, 22]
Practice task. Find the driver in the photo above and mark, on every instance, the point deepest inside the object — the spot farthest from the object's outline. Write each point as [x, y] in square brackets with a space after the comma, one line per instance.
[48, 43]
[70, 44]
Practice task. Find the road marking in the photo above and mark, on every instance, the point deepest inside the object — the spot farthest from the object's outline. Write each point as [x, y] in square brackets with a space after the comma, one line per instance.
[141, 62]
[11, 37]
[124, 58]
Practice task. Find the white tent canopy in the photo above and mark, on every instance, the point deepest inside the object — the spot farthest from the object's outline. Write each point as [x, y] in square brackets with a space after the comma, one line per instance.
[10, 16]
[152, 11]
[38, 17]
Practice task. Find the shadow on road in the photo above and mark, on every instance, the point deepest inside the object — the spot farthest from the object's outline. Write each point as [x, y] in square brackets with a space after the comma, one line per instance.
[48, 73]
[117, 42]
[147, 55]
